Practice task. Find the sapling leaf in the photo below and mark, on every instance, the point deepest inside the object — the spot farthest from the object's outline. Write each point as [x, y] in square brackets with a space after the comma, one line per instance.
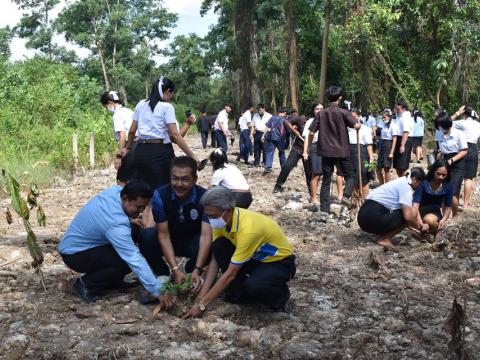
[34, 190]
[8, 216]
[41, 218]
[24, 212]
[31, 199]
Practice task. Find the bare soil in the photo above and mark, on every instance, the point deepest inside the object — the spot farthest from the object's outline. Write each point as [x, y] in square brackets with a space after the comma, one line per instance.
[350, 299]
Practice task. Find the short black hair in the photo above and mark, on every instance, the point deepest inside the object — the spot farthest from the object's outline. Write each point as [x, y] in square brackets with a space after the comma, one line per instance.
[185, 162]
[418, 173]
[248, 106]
[333, 93]
[356, 111]
[282, 109]
[228, 104]
[136, 188]
[402, 104]
[127, 169]
[110, 96]
[260, 106]
[443, 120]
[293, 111]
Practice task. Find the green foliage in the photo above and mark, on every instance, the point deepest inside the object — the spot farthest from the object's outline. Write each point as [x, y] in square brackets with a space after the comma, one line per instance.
[172, 288]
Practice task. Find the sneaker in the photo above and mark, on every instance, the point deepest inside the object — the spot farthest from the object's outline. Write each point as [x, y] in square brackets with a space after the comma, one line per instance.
[267, 171]
[346, 201]
[80, 290]
[277, 189]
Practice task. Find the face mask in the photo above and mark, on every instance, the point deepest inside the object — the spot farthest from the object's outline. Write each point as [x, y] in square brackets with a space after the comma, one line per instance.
[112, 110]
[217, 223]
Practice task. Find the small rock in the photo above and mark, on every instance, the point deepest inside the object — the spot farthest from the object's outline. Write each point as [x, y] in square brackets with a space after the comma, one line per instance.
[473, 282]
[249, 338]
[394, 325]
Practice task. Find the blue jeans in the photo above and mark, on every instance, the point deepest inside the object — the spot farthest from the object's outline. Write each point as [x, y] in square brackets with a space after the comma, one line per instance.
[270, 146]
[221, 140]
[204, 135]
[245, 144]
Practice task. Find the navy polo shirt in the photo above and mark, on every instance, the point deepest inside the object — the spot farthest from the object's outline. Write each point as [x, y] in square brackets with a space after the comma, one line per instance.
[184, 219]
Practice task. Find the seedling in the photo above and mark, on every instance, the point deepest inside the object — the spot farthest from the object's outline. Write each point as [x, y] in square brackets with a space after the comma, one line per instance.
[171, 288]
[370, 166]
[21, 207]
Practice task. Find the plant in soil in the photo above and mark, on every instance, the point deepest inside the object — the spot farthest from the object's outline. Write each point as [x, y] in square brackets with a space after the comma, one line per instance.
[173, 289]
[23, 207]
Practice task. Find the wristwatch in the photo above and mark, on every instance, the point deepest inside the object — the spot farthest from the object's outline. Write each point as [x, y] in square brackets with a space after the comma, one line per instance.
[202, 307]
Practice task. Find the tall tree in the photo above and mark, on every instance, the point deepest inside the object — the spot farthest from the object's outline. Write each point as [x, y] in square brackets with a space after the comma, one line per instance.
[326, 31]
[292, 52]
[6, 35]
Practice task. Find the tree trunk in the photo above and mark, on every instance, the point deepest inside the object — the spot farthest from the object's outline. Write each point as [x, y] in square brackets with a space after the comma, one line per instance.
[273, 103]
[389, 72]
[123, 92]
[104, 68]
[285, 92]
[292, 53]
[323, 68]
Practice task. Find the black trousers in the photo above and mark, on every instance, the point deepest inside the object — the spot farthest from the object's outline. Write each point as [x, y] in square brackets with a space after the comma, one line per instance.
[213, 139]
[150, 249]
[258, 151]
[204, 136]
[103, 268]
[153, 163]
[346, 167]
[256, 282]
[292, 160]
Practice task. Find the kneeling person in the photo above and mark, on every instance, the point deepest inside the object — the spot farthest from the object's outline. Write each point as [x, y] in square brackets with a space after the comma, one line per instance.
[252, 251]
[182, 229]
[99, 244]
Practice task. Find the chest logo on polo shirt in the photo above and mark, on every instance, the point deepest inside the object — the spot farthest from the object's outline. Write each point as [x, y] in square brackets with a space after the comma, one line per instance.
[194, 214]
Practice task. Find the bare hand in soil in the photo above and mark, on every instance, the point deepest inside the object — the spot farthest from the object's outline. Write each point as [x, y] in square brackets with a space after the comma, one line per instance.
[178, 276]
[193, 312]
[167, 301]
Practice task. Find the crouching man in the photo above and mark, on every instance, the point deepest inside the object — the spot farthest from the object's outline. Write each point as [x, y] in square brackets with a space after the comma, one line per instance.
[182, 228]
[252, 251]
[98, 243]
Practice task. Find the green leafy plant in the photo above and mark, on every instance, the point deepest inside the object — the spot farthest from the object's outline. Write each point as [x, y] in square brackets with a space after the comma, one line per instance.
[370, 166]
[170, 287]
[21, 207]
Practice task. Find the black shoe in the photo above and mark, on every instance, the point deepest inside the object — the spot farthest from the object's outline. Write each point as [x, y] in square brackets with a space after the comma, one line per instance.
[80, 290]
[267, 171]
[281, 305]
[277, 189]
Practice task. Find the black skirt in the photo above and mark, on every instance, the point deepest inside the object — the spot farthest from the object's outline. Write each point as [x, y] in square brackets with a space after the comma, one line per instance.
[375, 218]
[402, 161]
[315, 161]
[425, 210]
[383, 160]
[153, 163]
[417, 141]
[364, 157]
[457, 173]
[471, 162]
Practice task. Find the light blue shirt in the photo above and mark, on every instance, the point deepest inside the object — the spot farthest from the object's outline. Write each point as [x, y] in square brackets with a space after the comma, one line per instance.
[418, 127]
[369, 121]
[102, 221]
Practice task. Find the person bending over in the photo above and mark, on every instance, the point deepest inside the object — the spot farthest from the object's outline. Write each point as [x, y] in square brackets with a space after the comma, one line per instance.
[435, 193]
[229, 176]
[255, 257]
[274, 138]
[388, 208]
[98, 243]
[182, 228]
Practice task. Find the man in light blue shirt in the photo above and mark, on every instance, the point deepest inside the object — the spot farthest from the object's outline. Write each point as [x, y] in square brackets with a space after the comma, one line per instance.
[98, 243]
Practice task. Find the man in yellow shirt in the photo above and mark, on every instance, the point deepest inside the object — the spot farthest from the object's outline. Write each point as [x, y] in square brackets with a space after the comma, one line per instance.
[252, 251]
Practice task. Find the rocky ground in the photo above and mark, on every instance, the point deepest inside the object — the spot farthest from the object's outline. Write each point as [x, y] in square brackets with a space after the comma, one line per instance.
[350, 299]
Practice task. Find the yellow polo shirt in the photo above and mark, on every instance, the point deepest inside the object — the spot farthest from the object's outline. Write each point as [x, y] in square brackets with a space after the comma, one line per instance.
[255, 236]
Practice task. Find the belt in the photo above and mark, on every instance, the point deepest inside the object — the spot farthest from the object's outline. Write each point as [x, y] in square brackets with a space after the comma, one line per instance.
[150, 141]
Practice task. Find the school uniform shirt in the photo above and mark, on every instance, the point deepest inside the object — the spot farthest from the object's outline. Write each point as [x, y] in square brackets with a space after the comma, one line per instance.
[364, 135]
[369, 121]
[255, 236]
[122, 120]
[222, 118]
[395, 128]
[393, 194]
[102, 221]
[470, 127]
[153, 124]
[306, 131]
[230, 177]
[388, 133]
[418, 127]
[426, 197]
[406, 123]
[259, 121]
[277, 128]
[453, 143]
[332, 123]
[245, 119]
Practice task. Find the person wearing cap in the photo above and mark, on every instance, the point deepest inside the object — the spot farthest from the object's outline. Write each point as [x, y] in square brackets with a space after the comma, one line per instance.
[182, 228]
[246, 132]
[310, 153]
[333, 145]
[122, 120]
[158, 128]
[221, 127]
[387, 133]
[403, 149]
[259, 120]
[255, 256]
[274, 138]
[470, 126]
[98, 244]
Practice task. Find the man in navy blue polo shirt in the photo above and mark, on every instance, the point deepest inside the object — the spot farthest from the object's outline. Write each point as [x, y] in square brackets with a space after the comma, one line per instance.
[182, 229]
[274, 138]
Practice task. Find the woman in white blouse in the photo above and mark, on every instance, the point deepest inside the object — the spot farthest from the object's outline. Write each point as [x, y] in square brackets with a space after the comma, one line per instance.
[453, 146]
[157, 126]
[229, 176]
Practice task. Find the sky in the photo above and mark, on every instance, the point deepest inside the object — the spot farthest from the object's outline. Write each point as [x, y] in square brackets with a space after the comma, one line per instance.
[189, 21]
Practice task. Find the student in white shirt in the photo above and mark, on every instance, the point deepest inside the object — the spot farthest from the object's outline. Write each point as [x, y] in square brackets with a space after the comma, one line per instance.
[157, 126]
[366, 152]
[388, 209]
[452, 143]
[403, 150]
[259, 120]
[417, 136]
[314, 160]
[229, 176]
[470, 126]
[221, 127]
[387, 135]
[246, 133]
